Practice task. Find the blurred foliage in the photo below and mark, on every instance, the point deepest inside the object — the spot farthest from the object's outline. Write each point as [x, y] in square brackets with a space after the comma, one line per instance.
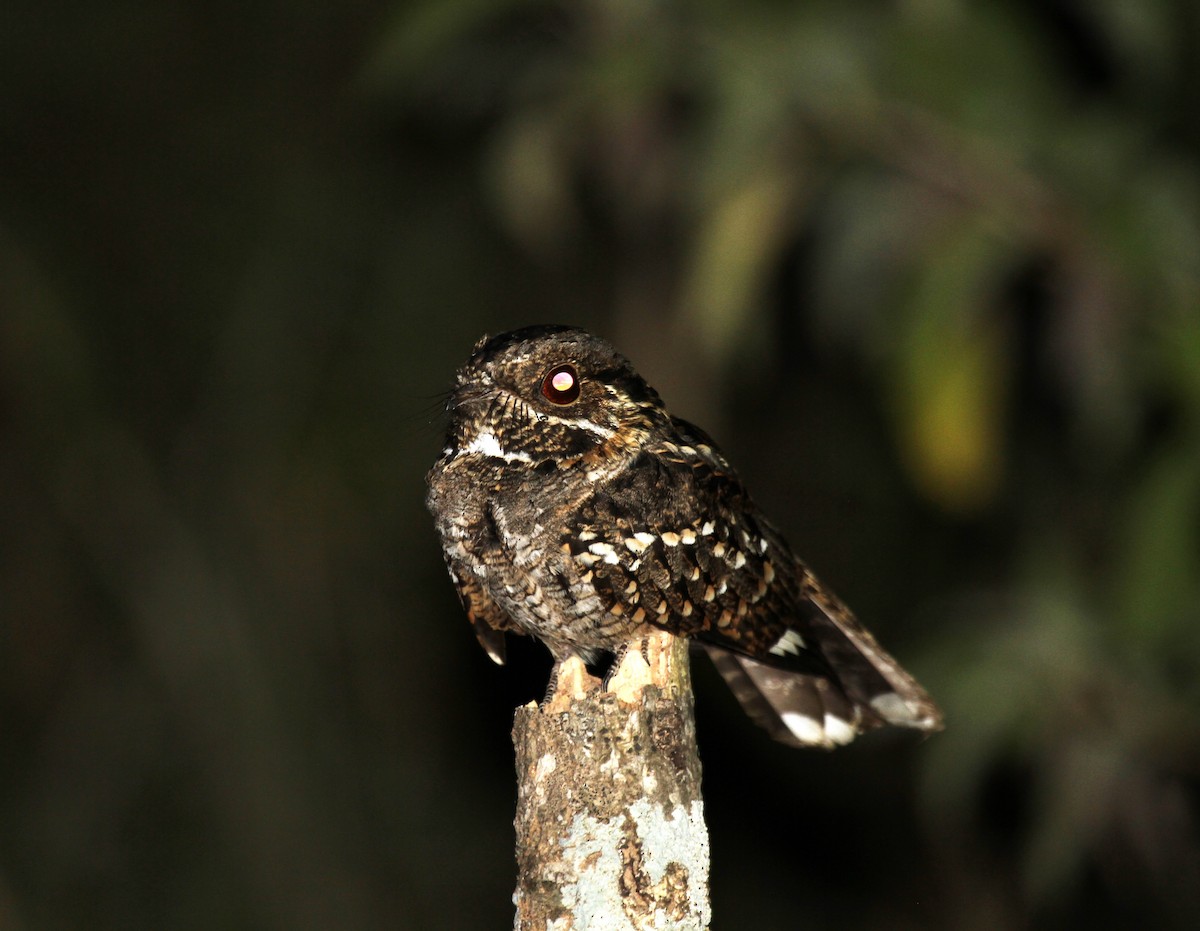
[929, 270]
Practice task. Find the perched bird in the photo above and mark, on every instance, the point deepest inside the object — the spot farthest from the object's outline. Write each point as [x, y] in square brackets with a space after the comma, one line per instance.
[573, 507]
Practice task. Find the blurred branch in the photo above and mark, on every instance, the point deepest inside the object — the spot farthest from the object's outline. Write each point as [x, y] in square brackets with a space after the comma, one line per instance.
[610, 823]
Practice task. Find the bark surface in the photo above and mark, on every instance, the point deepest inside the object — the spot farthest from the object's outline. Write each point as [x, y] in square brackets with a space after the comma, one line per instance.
[610, 820]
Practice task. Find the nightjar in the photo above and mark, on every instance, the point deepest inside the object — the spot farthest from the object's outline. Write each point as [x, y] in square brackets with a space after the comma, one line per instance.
[573, 507]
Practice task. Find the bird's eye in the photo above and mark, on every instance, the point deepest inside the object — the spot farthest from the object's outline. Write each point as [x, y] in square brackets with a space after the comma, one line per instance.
[561, 384]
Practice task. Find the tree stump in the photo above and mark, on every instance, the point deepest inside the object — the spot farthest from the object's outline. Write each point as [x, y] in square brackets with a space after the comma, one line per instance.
[610, 820]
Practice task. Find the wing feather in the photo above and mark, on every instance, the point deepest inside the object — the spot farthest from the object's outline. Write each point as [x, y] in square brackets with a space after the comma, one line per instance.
[705, 563]
[487, 618]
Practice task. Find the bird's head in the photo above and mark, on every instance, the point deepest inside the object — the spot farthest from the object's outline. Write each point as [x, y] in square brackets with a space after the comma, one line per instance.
[552, 393]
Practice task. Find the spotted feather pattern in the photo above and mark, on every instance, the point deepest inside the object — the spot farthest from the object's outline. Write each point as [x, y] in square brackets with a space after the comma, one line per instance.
[590, 523]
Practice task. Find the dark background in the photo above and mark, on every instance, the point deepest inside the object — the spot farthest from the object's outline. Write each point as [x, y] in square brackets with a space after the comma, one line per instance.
[929, 271]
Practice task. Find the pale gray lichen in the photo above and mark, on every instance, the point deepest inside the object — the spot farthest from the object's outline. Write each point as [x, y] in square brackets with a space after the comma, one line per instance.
[598, 853]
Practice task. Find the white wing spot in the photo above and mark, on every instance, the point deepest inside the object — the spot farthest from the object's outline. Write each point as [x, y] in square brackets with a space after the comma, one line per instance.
[671, 539]
[790, 642]
[687, 536]
[606, 551]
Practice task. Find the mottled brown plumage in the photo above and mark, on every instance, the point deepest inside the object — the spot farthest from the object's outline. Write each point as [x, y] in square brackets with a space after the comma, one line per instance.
[573, 507]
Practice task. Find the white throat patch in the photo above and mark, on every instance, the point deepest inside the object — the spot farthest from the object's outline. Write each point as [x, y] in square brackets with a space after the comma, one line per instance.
[488, 445]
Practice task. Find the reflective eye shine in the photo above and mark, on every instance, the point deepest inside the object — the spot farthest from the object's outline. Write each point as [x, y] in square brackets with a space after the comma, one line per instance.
[560, 385]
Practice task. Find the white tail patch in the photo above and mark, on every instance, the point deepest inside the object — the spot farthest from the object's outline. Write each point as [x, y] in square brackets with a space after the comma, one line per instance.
[830, 732]
[803, 728]
[839, 731]
[895, 710]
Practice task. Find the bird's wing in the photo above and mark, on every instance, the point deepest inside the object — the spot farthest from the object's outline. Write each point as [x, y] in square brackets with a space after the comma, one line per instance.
[487, 618]
[675, 541]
